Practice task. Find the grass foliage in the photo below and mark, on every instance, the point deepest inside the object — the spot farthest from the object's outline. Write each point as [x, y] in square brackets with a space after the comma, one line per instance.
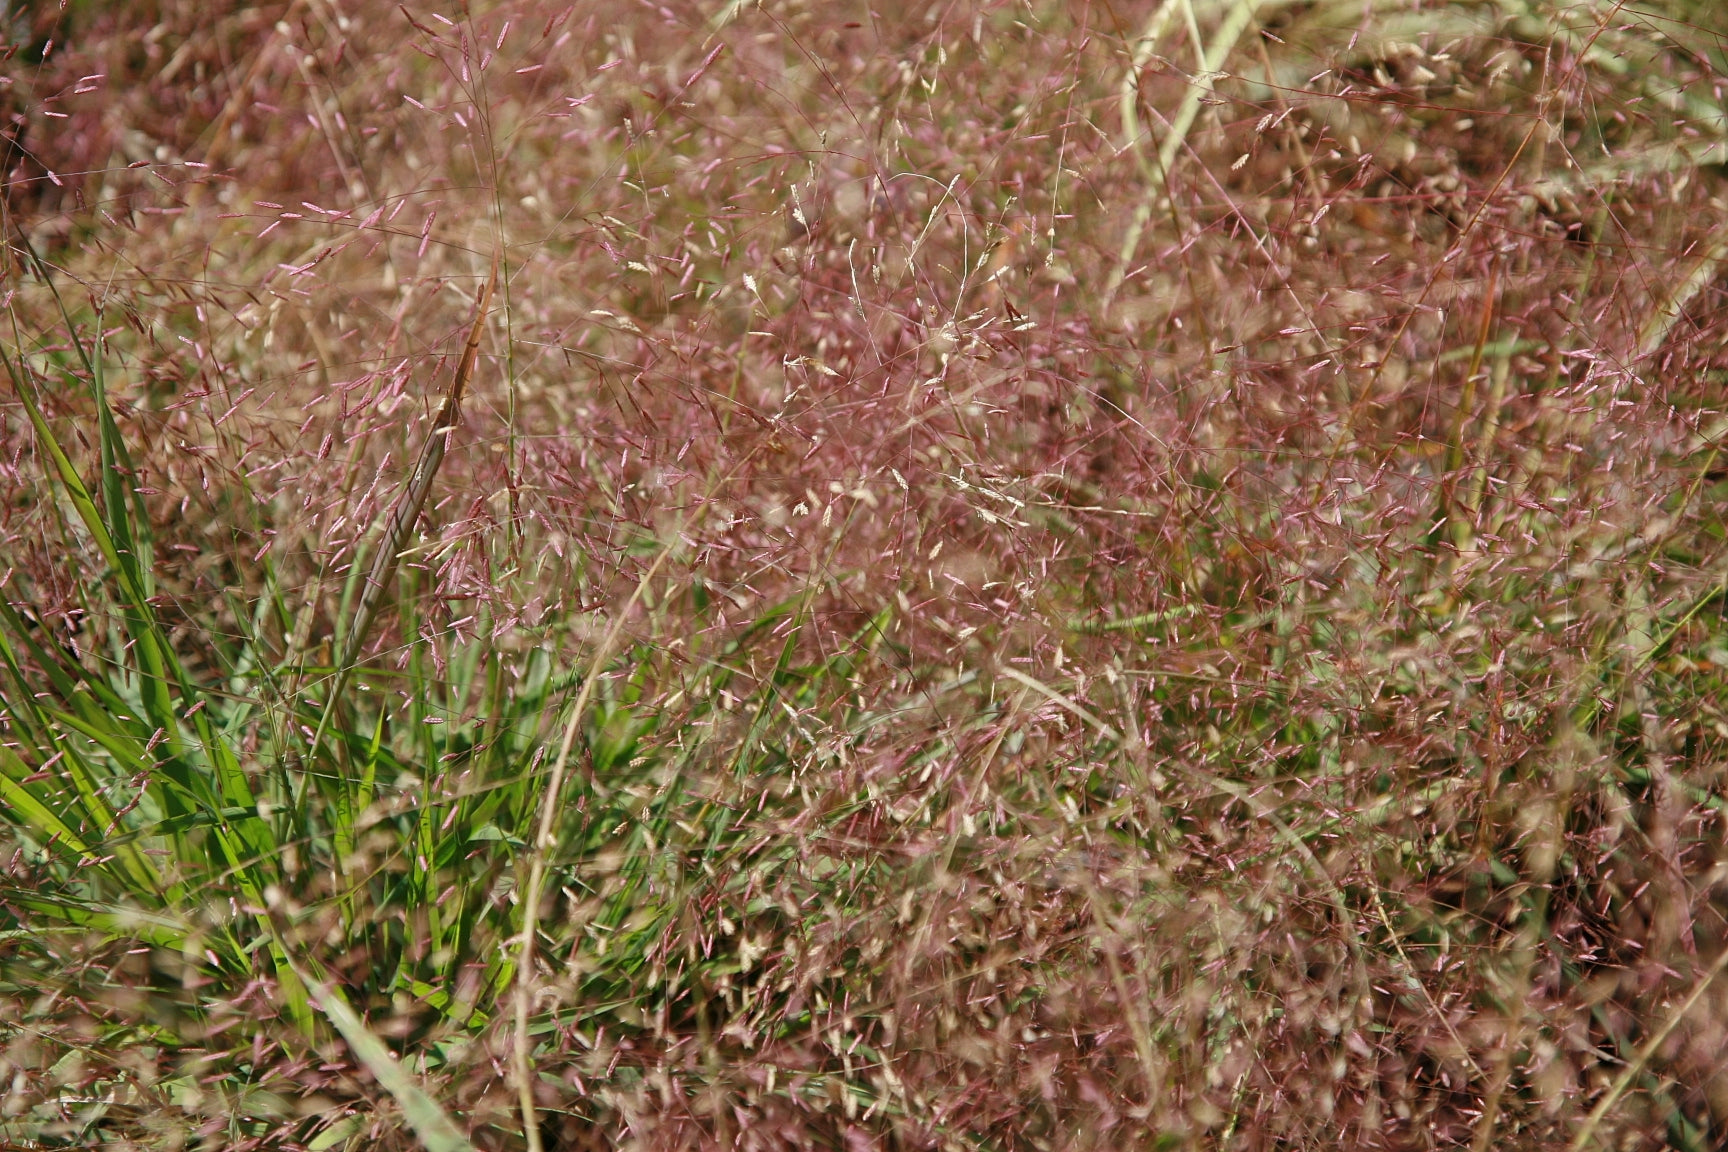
[790, 575]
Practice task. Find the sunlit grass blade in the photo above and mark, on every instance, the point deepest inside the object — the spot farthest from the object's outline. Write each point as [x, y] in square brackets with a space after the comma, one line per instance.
[430, 1122]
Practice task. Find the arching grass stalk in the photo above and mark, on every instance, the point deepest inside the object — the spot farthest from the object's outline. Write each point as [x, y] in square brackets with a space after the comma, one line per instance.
[1587, 1131]
[543, 842]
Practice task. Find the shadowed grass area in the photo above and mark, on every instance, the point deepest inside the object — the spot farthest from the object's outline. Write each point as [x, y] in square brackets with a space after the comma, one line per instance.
[815, 576]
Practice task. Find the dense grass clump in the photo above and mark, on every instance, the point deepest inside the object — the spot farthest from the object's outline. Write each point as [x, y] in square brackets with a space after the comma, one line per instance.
[997, 576]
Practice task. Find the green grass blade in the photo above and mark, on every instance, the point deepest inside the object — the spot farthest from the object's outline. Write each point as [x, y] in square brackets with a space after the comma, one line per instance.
[29, 810]
[429, 1121]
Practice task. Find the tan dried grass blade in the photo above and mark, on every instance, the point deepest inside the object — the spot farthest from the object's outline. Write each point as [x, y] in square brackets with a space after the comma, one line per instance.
[407, 510]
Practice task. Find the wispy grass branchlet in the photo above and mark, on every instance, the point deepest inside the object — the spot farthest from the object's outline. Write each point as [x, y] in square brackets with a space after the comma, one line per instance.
[1042, 576]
